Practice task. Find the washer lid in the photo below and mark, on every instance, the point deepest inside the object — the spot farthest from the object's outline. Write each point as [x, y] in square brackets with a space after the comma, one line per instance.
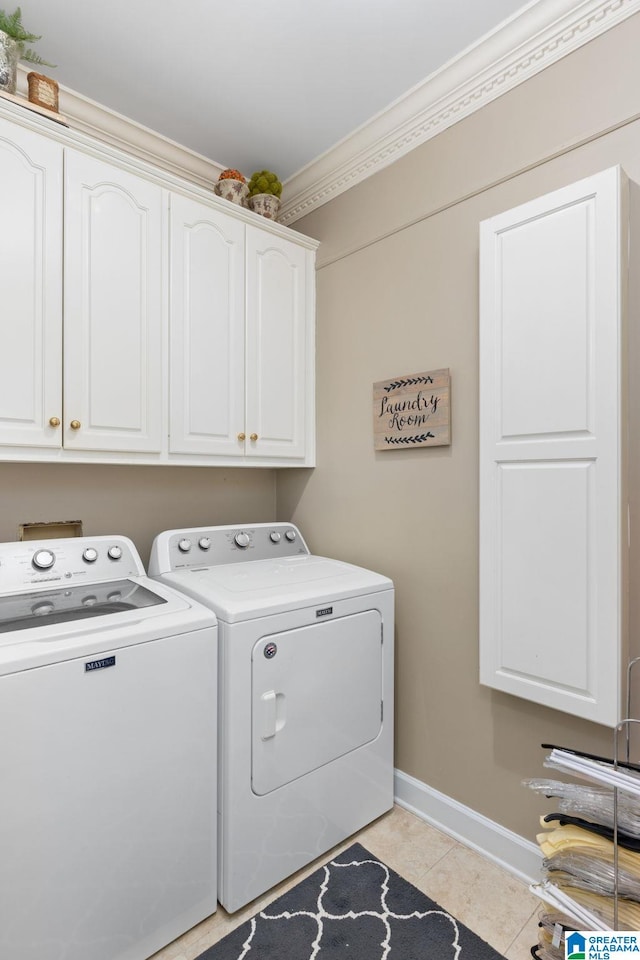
[239, 591]
[150, 611]
[39, 608]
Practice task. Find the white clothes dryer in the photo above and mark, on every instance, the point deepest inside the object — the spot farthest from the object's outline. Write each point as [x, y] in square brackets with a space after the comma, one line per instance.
[305, 695]
[108, 685]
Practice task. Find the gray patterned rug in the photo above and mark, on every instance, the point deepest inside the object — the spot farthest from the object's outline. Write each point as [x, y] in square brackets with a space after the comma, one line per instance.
[354, 908]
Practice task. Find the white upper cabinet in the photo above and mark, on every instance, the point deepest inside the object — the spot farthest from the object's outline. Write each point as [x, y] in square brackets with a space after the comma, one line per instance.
[241, 340]
[112, 308]
[30, 288]
[553, 513]
[206, 382]
[277, 332]
[143, 319]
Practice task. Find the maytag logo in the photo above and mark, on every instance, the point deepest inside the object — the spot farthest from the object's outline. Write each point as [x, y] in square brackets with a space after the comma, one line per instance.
[99, 664]
[324, 611]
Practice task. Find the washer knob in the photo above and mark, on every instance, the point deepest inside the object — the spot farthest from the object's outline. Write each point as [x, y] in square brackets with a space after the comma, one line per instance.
[204, 543]
[115, 552]
[42, 609]
[43, 559]
[90, 555]
[274, 536]
[290, 535]
[184, 545]
[242, 540]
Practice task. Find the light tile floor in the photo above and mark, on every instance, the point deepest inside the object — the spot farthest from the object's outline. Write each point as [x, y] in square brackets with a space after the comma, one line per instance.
[487, 899]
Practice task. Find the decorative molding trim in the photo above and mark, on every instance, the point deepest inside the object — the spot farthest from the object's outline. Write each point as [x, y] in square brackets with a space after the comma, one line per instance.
[533, 39]
[19, 111]
[506, 849]
[111, 128]
[536, 37]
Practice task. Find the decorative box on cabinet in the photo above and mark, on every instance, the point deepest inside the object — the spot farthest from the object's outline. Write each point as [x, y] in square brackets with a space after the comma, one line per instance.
[555, 448]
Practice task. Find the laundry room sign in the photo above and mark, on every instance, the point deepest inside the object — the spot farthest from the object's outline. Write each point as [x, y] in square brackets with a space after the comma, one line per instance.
[413, 410]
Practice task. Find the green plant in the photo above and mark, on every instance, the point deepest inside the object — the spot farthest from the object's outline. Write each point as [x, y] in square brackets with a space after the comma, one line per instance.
[11, 24]
[263, 181]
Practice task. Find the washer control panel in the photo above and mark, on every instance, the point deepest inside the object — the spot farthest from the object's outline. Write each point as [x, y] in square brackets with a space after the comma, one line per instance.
[209, 546]
[66, 561]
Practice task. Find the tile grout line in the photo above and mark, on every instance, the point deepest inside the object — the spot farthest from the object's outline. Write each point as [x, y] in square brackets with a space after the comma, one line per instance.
[522, 929]
[437, 862]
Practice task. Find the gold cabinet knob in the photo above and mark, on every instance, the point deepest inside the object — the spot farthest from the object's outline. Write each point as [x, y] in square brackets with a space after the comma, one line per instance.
[54, 421]
[242, 436]
[254, 436]
[75, 424]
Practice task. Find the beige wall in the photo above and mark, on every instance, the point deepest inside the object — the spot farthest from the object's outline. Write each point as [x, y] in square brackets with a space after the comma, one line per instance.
[398, 293]
[135, 501]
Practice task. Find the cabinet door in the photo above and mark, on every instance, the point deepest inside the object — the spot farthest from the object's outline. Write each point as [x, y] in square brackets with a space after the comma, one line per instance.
[552, 621]
[206, 322]
[113, 308]
[277, 316]
[30, 287]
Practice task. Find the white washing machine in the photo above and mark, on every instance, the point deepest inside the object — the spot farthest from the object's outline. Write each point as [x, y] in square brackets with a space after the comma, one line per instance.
[305, 695]
[108, 686]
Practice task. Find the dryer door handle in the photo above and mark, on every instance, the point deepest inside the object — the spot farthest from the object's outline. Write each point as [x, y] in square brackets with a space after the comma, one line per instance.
[272, 719]
[268, 715]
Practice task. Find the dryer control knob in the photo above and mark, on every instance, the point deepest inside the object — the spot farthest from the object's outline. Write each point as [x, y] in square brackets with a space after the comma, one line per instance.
[274, 536]
[115, 552]
[43, 559]
[204, 543]
[242, 540]
[290, 535]
[90, 555]
[184, 545]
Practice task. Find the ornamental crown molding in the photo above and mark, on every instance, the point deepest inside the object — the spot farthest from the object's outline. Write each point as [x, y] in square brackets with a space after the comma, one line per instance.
[533, 39]
[115, 130]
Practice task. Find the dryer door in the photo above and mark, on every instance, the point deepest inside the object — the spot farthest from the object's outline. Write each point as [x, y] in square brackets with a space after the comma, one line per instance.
[316, 695]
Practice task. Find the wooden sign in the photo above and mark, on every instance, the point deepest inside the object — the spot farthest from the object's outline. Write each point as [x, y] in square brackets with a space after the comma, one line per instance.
[412, 411]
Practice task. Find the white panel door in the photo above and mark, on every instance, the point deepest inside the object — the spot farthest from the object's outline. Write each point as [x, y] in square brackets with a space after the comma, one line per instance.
[552, 620]
[113, 308]
[316, 696]
[206, 330]
[31, 285]
[276, 346]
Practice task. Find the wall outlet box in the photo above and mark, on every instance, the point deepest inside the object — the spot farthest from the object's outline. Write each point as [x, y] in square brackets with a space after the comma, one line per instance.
[50, 530]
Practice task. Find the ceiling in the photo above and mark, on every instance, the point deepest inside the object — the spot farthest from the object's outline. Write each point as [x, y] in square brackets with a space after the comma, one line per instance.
[253, 84]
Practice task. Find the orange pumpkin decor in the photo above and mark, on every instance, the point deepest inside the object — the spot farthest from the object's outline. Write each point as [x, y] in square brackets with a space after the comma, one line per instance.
[232, 175]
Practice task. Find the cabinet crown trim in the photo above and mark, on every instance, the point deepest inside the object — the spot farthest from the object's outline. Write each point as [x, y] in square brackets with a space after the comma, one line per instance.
[96, 130]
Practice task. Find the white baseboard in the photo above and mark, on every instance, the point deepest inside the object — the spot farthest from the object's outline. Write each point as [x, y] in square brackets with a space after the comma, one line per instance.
[505, 848]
